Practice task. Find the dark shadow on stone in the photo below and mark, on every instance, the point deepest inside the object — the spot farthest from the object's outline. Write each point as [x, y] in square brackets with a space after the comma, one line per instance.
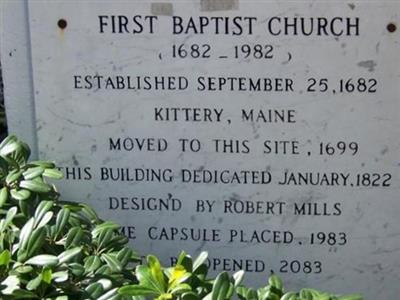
[3, 123]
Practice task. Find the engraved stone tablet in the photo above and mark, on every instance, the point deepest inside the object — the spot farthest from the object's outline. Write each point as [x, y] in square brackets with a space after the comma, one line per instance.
[266, 132]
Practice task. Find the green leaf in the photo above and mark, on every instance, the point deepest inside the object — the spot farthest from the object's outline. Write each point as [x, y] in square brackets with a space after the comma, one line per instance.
[46, 219]
[89, 212]
[11, 283]
[124, 256]
[133, 298]
[35, 186]
[76, 269]
[272, 296]
[60, 276]
[156, 270]
[189, 296]
[92, 263]
[104, 237]
[34, 283]
[309, 294]
[76, 220]
[201, 259]
[136, 257]
[9, 217]
[43, 163]
[74, 237]
[118, 240]
[180, 288]
[43, 207]
[36, 240]
[252, 294]
[104, 270]
[22, 154]
[43, 260]
[230, 291]
[106, 225]
[238, 277]
[289, 296]
[22, 255]
[22, 269]
[47, 275]
[23, 294]
[25, 207]
[32, 173]
[69, 254]
[201, 271]
[105, 283]
[3, 196]
[5, 258]
[137, 290]
[95, 290]
[244, 293]
[8, 140]
[4, 166]
[275, 282]
[146, 279]
[14, 175]
[9, 147]
[112, 262]
[25, 233]
[221, 287]
[53, 173]
[20, 195]
[62, 219]
[109, 294]
[186, 261]
[64, 298]
[264, 292]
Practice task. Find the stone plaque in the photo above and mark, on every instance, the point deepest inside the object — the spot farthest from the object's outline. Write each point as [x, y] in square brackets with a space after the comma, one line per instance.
[265, 132]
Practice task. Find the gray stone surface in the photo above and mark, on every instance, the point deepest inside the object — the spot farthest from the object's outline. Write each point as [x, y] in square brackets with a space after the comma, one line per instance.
[16, 62]
[334, 223]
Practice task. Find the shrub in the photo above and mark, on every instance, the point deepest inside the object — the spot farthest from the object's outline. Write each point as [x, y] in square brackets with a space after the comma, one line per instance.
[55, 249]
[51, 249]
